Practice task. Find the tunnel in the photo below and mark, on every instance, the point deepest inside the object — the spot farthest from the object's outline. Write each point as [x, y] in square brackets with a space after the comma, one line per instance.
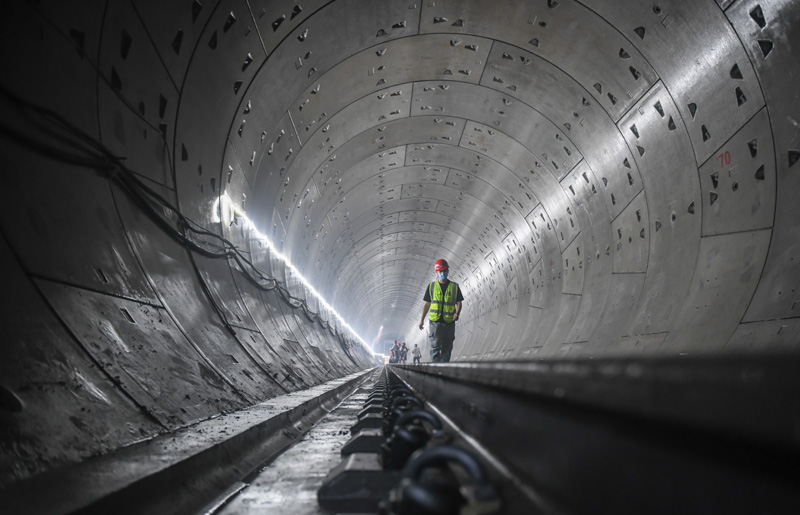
[214, 205]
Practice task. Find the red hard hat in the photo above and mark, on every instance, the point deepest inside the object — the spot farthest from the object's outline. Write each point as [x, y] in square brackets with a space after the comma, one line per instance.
[440, 265]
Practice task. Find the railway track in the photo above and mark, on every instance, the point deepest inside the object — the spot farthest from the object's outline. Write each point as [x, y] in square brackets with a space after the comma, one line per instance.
[610, 436]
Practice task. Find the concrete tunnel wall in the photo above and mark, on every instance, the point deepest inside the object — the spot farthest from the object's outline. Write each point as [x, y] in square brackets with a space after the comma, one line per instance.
[605, 178]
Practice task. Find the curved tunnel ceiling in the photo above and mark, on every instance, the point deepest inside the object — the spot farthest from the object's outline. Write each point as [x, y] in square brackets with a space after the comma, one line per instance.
[601, 179]
[604, 177]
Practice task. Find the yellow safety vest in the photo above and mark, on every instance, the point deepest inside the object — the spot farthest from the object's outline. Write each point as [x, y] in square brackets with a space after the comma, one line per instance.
[443, 304]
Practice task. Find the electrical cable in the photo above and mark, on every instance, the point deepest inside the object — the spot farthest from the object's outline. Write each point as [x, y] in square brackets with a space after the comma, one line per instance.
[94, 154]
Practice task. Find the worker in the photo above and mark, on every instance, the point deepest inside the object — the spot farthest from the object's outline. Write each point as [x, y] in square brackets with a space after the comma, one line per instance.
[443, 299]
[403, 353]
[417, 353]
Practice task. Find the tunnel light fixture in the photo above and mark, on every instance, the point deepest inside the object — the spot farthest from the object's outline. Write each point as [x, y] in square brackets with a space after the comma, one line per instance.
[227, 207]
[377, 339]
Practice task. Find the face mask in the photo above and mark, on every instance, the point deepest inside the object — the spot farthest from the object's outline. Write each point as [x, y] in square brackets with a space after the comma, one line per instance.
[443, 275]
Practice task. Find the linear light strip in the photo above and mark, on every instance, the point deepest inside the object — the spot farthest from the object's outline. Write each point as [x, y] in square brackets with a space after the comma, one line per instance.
[229, 206]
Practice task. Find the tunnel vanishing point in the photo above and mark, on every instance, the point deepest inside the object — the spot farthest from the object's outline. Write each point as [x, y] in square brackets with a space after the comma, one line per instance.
[607, 179]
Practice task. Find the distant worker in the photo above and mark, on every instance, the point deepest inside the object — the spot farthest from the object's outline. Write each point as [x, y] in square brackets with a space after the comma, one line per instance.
[417, 353]
[443, 300]
[394, 353]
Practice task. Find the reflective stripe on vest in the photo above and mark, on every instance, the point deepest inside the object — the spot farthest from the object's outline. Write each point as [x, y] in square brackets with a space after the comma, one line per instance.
[443, 304]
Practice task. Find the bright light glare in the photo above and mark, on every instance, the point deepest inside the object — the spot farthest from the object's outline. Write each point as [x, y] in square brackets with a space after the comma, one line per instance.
[229, 207]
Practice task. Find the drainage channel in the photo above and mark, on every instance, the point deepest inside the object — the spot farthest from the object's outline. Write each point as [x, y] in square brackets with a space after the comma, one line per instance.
[289, 483]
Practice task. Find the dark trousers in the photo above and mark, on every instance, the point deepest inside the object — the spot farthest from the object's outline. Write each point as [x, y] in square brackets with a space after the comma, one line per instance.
[441, 336]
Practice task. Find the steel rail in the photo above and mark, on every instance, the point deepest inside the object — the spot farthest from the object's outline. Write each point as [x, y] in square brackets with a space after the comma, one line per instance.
[696, 435]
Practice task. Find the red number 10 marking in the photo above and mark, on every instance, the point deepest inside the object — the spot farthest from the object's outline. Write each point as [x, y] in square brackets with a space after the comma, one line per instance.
[724, 158]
